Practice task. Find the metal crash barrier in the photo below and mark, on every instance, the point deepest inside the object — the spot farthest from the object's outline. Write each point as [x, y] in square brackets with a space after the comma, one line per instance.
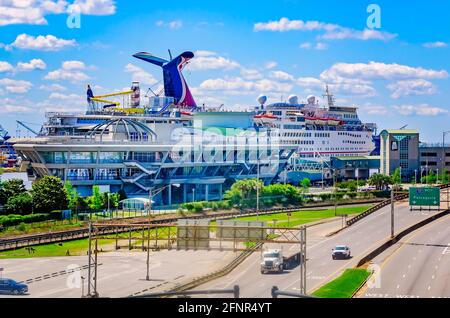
[234, 291]
[276, 292]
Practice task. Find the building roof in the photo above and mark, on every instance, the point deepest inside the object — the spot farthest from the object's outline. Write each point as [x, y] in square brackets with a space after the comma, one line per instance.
[401, 131]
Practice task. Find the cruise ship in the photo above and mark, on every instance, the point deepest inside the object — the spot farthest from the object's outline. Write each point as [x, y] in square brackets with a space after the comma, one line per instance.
[160, 144]
[317, 132]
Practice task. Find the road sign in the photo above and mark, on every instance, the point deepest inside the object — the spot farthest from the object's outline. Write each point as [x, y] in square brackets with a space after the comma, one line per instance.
[289, 214]
[426, 196]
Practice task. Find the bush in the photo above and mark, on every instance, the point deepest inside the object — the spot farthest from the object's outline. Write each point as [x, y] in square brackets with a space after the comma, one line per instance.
[14, 219]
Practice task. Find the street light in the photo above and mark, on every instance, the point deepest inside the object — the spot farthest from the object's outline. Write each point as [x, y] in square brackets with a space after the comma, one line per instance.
[415, 176]
[150, 195]
[257, 188]
[443, 153]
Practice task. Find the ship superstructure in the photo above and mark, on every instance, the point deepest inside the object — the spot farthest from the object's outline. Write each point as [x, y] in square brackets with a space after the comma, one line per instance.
[126, 141]
[318, 132]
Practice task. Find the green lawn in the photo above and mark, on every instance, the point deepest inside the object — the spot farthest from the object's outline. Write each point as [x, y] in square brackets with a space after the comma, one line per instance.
[302, 217]
[345, 285]
[79, 247]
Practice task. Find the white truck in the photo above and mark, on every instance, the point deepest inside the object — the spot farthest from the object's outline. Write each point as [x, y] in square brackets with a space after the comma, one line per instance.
[274, 261]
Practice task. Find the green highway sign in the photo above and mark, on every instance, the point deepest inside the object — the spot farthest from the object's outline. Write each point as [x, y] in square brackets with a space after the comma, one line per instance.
[426, 196]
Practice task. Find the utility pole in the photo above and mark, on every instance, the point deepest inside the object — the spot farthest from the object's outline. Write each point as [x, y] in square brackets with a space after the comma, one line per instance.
[257, 188]
[392, 212]
[150, 194]
[303, 260]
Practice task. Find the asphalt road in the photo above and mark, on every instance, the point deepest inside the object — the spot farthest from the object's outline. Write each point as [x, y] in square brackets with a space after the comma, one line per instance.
[417, 266]
[362, 237]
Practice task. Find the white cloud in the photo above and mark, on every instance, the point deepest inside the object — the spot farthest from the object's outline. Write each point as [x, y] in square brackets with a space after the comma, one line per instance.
[34, 64]
[374, 109]
[15, 86]
[93, 7]
[73, 65]
[239, 86]
[282, 76]
[69, 71]
[15, 105]
[420, 110]
[175, 24]
[34, 11]
[317, 46]
[433, 45]
[251, 74]
[21, 12]
[65, 97]
[270, 65]
[5, 67]
[411, 87]
[376, 70]
[139, 75]
[310, 82]
[40, 43]
[331, 31]
[366, 34]
[207, 60]
[53, 87]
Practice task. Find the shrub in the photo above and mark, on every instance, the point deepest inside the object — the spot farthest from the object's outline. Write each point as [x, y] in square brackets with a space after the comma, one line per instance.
[14, 219]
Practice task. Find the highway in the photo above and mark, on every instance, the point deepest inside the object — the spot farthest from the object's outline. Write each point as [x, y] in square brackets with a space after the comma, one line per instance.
[362, 237]
[417, 266]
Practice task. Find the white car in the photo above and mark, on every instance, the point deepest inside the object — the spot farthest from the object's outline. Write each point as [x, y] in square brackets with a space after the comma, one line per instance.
[340, 251]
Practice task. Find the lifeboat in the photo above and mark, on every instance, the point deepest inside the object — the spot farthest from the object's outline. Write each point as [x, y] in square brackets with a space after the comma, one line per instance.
[265, 118]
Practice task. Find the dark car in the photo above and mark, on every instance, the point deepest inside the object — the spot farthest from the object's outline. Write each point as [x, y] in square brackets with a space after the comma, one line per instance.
[11, 287]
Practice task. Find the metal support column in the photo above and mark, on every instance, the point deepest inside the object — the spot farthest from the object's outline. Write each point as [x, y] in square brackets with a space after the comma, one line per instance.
[303, 260]
[392, 213]
[92, 265]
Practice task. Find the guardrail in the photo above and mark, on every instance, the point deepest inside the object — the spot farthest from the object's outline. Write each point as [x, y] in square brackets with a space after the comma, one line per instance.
[219, 273]
[68, 235]
[385, 203]
[275, 292]
[375, 208]
[234, 291]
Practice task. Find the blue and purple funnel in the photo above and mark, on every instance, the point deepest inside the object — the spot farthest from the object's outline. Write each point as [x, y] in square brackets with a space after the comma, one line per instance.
[174, 83]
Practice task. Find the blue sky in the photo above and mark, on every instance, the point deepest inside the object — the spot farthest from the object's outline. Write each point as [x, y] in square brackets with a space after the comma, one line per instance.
[396, 75]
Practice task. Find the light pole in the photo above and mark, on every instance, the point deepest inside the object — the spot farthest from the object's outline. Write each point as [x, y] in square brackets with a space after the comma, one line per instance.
[151, 195]
[415, 176]
[392, 212]
[437, 175]
[444, 154]
[193, 194]
[257, 188]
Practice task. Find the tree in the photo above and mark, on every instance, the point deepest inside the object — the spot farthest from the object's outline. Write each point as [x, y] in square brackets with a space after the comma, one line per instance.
[11, 188]
[282, 193]
[306, 183]
[49, 195]
[396, 177]
[19, 204]
[243, 192]
[380, 181]
[96, 200]
[72, 196]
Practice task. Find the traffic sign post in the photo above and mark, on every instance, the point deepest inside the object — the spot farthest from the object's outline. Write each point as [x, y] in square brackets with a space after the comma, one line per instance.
[425, 196]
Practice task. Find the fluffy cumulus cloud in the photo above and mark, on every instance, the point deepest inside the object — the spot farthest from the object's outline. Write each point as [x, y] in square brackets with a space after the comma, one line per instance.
[34, 64]
[282, 76]
[93, 7]
[251, 74]
[53, 87]
[434, 45]
[34, 11]
[175, 24]
[420, 110]
[240, 86]
[411, 87]
[5, 67]
[270, 65]
[70, 71]
[317, 46]
[15, 86]
[376, 70]
[207, 60]
[139, 75]
[15, 105]
[330, 31]
[374, 109]
[40, 43]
